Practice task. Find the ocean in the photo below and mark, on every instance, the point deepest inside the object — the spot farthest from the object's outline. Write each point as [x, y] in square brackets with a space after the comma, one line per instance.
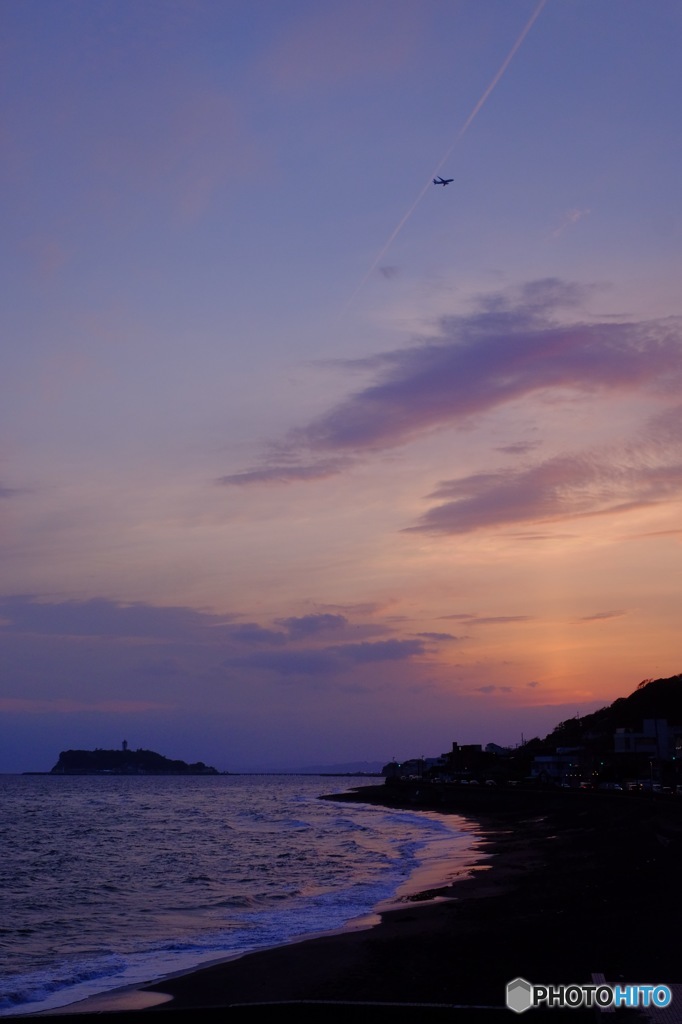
[110, 881]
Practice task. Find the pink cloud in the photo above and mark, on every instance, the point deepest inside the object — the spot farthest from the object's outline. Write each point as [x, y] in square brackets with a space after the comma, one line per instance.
[509, 349]
[447, 382]
[597, 482]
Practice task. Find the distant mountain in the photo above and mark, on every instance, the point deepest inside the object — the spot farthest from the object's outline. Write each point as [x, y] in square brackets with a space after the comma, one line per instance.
[124, 762]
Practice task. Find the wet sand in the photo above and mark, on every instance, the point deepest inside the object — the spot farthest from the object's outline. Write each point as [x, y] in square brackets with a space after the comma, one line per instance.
[579, 883]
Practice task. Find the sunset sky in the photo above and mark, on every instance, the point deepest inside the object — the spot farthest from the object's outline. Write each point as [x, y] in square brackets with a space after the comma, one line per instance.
[304, 459]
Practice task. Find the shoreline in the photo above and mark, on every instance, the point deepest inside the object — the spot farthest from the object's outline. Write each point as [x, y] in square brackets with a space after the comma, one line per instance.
[597, 866]
[429, 882]
[578, 883]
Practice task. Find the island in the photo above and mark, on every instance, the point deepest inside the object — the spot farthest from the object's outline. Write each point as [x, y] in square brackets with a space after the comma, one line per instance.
[125, 762]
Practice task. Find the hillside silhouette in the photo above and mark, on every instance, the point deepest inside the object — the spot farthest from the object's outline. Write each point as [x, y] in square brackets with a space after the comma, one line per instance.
[653, 698]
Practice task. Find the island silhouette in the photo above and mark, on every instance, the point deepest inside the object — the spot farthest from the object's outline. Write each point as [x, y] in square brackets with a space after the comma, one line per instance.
[125, 762]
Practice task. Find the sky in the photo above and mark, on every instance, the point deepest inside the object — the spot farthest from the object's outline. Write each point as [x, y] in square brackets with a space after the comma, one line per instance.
[304, 459]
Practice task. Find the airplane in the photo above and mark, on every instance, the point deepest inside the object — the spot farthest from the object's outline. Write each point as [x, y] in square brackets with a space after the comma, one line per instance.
[442, 181]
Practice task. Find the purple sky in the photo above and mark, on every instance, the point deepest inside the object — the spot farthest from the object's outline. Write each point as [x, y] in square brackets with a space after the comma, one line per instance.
[305, 460]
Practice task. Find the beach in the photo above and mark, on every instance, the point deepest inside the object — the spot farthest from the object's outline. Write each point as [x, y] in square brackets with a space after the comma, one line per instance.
[110, 883]
[574, 885]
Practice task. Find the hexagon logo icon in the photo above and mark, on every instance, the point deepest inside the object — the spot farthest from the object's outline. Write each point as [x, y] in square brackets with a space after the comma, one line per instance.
[519, 995]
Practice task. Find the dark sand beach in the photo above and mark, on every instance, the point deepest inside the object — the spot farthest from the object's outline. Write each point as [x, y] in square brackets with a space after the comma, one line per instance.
[578, 884]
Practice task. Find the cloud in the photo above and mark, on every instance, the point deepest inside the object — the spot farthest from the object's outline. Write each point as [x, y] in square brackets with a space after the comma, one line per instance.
[304, 626]
[389, 272]
[359, 607]
[321, 624]
[8, 492]
[28, 617]
[481, 500]
[601, 616]
[509, 348]
[100, 616]
[550, 535]
[518, 448]
[486, 620]
[484, 362]
[606, 480]
[495, 689]
[252, 633]
[327, 660]
[381, 650]
[569, 218]
[301, 628]
[439, 636]
[285, 474]
[661, 533]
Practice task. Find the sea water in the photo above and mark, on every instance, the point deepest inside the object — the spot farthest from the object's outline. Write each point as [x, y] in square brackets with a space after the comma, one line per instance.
[108, 881]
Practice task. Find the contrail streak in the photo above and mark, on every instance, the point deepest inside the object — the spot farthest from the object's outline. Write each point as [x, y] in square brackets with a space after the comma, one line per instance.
[505, 64]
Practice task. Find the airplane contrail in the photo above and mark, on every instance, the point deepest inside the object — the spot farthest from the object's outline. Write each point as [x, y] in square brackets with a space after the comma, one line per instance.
[503, 67]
